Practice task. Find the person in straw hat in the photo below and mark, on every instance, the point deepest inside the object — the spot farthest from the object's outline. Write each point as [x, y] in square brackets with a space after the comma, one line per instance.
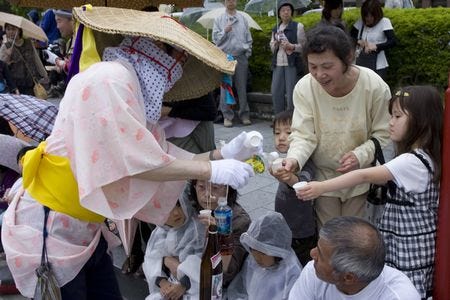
[107, 157]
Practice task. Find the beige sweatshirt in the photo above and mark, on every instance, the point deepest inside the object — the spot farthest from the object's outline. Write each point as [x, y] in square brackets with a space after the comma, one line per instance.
[326, 127]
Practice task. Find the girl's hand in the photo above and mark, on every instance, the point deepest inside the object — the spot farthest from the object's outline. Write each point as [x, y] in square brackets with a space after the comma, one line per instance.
[171, 262]
[165, 287]
[291, 165]
[207, 220]
[349, 162]
[311, 191]
[176, 292]
[361, 43]
[8, 51]
[284, 176]
[370, 47]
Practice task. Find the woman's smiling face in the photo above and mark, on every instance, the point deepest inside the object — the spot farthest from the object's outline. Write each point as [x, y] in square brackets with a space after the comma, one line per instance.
[327, 69]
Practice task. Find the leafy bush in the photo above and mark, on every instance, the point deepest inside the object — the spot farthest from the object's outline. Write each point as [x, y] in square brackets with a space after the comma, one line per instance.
[422, 53]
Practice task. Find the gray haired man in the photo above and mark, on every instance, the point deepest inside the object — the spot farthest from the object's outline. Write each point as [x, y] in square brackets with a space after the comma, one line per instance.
[232, 34]
[348, 263]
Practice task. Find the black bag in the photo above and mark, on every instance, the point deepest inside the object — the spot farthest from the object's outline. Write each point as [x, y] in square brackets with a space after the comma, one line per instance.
[377, 195]
[368, 60]
[47, 287]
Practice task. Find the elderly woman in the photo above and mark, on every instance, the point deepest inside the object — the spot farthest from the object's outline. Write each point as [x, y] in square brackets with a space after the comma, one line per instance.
[22, 59]
[338, 108]
[107, 157]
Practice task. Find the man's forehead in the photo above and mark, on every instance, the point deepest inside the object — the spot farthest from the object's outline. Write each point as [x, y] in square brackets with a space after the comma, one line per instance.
[324, 248]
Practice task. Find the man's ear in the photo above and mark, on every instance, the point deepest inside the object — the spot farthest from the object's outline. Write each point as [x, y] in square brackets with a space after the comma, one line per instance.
[349, 278]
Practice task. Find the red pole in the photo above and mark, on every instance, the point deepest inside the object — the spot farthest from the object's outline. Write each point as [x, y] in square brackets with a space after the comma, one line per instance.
[442, 259]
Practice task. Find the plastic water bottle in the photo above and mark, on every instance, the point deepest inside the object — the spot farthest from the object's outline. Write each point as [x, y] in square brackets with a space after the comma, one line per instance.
[224, 215]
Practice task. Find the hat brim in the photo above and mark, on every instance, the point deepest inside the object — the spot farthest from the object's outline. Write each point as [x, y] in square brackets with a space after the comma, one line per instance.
[206, 62]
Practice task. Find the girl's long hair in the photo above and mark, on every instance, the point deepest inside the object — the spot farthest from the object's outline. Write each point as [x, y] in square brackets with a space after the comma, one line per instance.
[423, 104]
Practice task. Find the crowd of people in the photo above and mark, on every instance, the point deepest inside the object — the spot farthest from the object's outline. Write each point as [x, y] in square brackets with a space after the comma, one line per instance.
[134, 140]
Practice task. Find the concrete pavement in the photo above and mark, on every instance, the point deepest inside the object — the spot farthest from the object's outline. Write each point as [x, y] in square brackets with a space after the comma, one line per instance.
[257, 198]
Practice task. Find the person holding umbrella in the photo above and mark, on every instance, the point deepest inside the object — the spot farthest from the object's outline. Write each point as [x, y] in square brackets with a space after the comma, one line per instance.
[286, 45]
[231, 33]
[23, 61]
[107, 157]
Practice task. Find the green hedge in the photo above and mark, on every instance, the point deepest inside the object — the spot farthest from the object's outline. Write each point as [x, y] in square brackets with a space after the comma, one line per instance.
[422, 53]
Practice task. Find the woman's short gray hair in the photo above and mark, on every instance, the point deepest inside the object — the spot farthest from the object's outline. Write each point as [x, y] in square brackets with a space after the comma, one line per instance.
[358, 247]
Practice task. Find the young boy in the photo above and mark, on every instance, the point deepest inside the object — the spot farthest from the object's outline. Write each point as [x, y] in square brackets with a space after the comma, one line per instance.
[272, 267]
[173, 255]
[299, 215]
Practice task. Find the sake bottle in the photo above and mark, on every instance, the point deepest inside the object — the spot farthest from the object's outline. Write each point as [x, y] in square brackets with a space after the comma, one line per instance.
[224, 216]
[211, 275]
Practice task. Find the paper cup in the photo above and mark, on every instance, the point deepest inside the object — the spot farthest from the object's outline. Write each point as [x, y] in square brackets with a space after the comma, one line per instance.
[299, 185]
[205, 212]
[254, 139]
[277, 164]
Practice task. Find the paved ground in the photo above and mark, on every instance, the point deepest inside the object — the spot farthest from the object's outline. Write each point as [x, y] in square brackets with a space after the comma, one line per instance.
[257, 198]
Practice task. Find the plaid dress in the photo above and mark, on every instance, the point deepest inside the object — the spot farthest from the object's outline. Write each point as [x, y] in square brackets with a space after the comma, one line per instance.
[408, 225]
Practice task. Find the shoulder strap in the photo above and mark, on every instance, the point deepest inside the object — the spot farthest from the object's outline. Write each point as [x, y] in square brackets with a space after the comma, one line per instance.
[26, 65]
[44, 257]
[361, 31]
[378, 152]
[423, 160]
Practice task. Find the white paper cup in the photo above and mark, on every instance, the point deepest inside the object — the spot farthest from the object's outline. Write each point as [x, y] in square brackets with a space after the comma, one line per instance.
[299, 185]
[205, 212]
[277, 164]
[254, 139]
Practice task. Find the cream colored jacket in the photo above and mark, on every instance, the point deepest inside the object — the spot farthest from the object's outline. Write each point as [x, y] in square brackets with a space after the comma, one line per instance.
[325, 127]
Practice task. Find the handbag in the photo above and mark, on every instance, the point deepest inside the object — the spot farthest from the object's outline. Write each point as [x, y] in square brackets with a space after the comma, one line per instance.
[38, 89]
[368, 60]
[377, 195]
[47, 287]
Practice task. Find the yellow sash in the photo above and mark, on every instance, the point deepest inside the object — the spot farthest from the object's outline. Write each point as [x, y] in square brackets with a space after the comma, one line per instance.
[49, 179]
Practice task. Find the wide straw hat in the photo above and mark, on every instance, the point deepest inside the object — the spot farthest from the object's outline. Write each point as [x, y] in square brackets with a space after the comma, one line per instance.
[202, 71]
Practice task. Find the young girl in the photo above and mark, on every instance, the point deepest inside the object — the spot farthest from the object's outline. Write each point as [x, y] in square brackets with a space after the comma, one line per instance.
[409, 220]
[232, 264]
[272, 268]
[172, 259]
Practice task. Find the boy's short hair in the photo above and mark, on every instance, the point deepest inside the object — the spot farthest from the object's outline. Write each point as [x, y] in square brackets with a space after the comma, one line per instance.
[284, 117]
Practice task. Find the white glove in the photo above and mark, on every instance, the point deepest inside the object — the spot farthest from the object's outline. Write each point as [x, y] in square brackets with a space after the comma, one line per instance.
[237, 150]
[231, 172]
[51, 57]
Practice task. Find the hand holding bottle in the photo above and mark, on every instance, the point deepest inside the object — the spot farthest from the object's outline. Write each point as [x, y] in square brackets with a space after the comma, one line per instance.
[231, 172]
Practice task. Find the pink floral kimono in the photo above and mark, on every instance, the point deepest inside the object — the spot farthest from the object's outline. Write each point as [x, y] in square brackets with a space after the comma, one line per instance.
[102, 128]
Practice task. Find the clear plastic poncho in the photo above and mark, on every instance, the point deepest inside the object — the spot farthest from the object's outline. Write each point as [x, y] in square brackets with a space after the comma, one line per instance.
[186, 242]
[270, 235]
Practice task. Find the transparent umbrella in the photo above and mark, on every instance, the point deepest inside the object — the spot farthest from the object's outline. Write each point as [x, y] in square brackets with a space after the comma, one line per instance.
[192, 14]
[207, 20]
[29, 29]
[132, 4]
[264, 6]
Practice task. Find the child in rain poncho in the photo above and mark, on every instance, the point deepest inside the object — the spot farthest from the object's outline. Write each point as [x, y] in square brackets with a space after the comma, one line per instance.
[173, 255]
[272, 268]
